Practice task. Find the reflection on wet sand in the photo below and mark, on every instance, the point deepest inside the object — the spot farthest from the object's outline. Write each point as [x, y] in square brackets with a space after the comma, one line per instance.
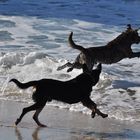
[87, 135]
[34, 134]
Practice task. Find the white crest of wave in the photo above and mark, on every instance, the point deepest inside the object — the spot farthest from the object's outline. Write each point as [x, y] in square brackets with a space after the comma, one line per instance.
[7, 60]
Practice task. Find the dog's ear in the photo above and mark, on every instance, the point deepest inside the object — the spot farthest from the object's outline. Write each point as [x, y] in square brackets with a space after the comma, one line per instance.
[129, 27]
[85, 68]
[99, 66]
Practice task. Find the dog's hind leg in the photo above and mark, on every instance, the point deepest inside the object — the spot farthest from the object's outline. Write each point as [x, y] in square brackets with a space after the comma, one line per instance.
[93, 107]
[76, 65]
[35, 117]
[28, 109]
[65, 65]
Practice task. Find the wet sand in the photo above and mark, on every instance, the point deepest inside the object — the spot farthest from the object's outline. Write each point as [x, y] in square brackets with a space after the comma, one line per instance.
[62, 125]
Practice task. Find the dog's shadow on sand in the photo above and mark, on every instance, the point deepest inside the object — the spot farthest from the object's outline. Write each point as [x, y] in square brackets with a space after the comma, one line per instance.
[122, 135]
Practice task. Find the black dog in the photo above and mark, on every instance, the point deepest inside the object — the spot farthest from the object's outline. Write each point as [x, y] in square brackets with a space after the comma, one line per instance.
[72, 91]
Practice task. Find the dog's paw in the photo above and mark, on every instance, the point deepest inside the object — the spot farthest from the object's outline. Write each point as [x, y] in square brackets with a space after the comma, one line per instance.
[59, 68]
[70, 69]
[14, 125]
[42, 125]
[17, 121]
[93, 114]
[104, 115]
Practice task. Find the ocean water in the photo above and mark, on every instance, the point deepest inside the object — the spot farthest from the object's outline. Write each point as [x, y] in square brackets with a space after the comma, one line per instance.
[33, 43]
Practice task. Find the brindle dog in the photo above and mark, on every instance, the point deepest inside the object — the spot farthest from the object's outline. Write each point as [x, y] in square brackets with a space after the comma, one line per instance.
[113, 52]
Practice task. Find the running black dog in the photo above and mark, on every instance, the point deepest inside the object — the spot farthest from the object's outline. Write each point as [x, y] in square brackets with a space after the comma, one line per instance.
[72, 91]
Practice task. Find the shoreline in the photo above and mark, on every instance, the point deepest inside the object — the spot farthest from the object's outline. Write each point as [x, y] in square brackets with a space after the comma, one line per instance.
[62, 125]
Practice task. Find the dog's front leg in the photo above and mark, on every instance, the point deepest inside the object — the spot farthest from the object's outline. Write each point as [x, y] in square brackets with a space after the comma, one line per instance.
[91, 105]
[134, 54]
[35, 117]
[100, 113]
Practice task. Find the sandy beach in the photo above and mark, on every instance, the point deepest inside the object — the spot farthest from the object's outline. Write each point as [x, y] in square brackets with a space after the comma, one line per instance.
[62, 125]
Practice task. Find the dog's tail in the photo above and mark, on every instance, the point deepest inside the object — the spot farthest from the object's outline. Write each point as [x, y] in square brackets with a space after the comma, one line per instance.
[24, 85]
[75, 46]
